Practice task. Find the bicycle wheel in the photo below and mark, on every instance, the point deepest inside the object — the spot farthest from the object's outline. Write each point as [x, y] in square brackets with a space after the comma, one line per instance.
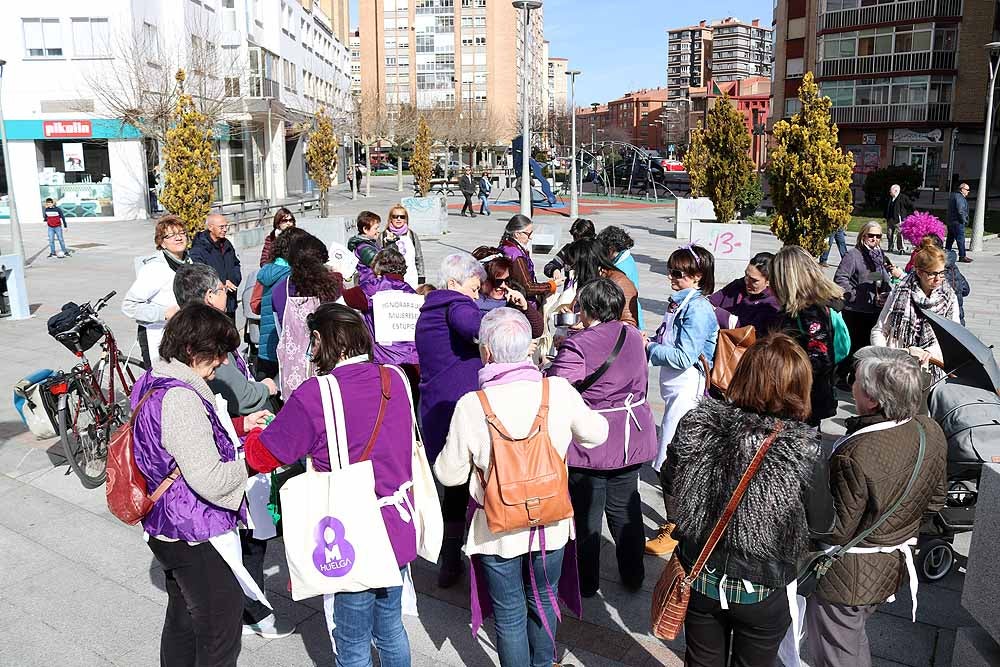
[85, 427]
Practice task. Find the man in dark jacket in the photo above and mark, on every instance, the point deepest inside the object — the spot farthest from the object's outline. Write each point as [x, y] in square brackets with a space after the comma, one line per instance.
[958, 218]
[897, 210]
[213, 248]
[869, 471]
[468, 189]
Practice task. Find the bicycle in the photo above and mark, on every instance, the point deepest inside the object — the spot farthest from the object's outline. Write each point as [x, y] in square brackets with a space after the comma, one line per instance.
[90, 406]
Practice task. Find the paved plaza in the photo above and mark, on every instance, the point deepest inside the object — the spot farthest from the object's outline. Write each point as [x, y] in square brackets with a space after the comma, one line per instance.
[79, 588]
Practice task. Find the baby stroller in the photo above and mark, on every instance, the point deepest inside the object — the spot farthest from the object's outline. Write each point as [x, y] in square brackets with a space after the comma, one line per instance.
[967, 407]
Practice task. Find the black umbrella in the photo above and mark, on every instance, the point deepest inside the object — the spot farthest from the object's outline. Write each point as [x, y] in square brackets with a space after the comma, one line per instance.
[966, 358]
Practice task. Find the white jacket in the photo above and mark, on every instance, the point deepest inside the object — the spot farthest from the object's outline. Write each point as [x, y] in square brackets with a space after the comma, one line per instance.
[516, 405]
[149, 297]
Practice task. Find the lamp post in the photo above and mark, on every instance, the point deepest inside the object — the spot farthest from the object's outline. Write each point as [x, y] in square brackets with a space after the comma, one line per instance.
[527, 6]
[15, 225]
[574, 193]
[593, 124]
[979, 220]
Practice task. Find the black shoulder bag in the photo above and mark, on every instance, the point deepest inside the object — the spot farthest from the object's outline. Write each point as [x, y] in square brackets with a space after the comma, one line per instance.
[817, 564]
[588, 382]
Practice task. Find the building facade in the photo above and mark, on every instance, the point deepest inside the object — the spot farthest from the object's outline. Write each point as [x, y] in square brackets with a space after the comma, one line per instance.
[260, 67]
[751, 98]
[725, 50]
[557, 85]
[355, 46]
[451, 54]
[636, 117]
[894, 73]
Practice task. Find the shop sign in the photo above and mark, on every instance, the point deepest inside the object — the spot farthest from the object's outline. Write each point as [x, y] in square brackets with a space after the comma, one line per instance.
[869, 138]
[908, 136]
[66, 129]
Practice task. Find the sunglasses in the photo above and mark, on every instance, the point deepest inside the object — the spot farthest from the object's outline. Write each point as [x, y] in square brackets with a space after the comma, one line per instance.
[873, 236]
[288, 219]
[499, 282]
[677, 274]
[399, 217]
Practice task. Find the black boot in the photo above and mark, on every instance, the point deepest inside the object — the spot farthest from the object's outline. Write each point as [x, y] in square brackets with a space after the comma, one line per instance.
[450, 564]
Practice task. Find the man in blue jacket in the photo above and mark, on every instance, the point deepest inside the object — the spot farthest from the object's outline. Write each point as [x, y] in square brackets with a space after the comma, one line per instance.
[958, 218]
[213, 248]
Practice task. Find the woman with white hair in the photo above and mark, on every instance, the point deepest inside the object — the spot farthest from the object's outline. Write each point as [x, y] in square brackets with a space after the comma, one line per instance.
[870, 472]
[522, 578]
[448, 355]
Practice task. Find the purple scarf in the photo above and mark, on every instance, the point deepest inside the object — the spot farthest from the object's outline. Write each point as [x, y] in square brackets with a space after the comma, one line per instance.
[496, 373]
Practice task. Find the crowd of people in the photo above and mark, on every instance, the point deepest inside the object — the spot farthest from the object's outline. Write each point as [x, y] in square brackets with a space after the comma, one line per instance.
[529, 394]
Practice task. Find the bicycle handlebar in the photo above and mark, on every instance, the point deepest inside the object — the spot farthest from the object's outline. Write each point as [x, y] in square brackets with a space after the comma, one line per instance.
[103, 301]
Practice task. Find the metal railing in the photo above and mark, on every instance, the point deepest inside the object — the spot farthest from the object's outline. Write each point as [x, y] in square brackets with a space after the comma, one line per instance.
[891, 113]
[890, 62]
[257, 212]
[904, 10]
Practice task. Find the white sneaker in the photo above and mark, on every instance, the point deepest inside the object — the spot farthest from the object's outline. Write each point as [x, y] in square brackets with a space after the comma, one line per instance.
[270, 627]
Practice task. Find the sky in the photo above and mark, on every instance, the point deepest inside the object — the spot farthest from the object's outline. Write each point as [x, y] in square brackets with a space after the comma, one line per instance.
[621, 45]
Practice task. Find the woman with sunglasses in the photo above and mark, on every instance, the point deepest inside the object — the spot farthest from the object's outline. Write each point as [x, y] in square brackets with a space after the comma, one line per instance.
[866, 275]
[499, 290]
[689, 331]
[515, 244]
[902, 323]
[398, 234]
[283, 220]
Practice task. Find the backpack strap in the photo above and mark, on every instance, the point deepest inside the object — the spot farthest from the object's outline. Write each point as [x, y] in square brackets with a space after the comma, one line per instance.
[542, 418]
[589, 381]
[386, 382]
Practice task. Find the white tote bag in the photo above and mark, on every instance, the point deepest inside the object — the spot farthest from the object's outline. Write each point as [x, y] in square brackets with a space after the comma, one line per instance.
[335, 538]
[427, 519]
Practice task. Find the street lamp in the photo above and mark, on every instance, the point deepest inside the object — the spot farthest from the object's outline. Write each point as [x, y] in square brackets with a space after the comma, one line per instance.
[979, 220]
[527, 6]
[593, 124]
[15, 225]
[574, 193]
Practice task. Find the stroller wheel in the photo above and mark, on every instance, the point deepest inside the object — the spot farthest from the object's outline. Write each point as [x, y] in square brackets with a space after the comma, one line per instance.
[935, 560]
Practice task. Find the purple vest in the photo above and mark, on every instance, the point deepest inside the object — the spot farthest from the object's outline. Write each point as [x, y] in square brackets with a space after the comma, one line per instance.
[513, 250]
[180, 513]
[397, 353]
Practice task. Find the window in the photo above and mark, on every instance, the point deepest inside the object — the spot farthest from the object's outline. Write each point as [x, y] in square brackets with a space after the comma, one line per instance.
[872, 92]
[42, 38]
[842, 45]
[90, 37]
[841, 93]
[792, 106]
[151, 43]
[480, 41]
[794, 67]
[875, 42]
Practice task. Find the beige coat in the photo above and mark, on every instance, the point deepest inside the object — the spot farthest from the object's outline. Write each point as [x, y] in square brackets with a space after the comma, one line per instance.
[468, 444]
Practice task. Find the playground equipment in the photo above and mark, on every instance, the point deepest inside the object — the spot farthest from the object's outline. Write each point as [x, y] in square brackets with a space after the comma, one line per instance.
[546, 196]
[623, 169]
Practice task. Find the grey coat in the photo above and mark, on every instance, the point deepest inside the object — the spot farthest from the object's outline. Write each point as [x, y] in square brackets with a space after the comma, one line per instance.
[855, 276]
[243, 396]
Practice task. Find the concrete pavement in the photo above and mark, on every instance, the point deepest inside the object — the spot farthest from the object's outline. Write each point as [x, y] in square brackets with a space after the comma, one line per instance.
[79, 588]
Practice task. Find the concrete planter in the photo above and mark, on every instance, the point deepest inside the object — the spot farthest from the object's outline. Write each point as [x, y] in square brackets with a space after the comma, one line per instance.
[428, 215]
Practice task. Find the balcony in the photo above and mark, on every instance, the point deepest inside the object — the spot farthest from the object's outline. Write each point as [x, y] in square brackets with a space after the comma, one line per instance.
[891, 113]
[905, 10]
[884, 64]
[264, 87]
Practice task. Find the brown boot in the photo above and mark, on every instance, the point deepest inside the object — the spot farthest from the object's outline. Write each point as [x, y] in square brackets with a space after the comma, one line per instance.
[662, 544]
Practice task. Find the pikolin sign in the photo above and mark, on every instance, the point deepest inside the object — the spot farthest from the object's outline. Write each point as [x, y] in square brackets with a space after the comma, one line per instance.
[66, 129]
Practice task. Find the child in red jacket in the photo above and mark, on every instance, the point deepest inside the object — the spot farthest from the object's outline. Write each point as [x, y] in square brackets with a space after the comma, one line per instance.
[55, 221]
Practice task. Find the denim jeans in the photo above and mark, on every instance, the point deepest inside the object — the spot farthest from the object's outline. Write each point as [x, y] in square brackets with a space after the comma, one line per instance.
[484, 204]
[956, 233]
[366, 615]
[56, 233]
[521, 636]
[841, 240]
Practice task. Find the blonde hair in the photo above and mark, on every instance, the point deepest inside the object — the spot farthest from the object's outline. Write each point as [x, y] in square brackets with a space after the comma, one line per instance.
[399, 207]
[928, 255]
[798, 282]
[865, 229]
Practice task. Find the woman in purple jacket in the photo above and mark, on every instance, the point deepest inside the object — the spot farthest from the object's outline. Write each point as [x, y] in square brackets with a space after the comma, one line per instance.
[341, 347]
[750, 298]
[448, 351]
[604, 481]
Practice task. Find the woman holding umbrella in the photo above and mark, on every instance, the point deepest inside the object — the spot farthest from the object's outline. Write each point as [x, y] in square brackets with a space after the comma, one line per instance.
[902, 323]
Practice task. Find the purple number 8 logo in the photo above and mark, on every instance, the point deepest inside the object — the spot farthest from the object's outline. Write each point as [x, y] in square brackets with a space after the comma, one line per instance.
[333, 555]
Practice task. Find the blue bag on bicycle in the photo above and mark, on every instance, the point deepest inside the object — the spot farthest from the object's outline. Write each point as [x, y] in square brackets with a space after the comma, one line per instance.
[35, 404]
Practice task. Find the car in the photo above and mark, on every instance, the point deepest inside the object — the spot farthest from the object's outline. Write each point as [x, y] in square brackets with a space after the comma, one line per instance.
[384, 166]
[456, 166]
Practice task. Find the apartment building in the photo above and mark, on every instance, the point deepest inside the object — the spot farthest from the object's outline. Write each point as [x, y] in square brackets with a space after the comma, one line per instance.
[557, 86]
[262, 66]
[636, 117]
[451, 54]
[725, 50]
[750, 97]
[894, 72]
[355, 45]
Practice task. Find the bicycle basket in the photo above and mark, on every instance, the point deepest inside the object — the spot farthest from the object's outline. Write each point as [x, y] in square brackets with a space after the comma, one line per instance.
[72, 327]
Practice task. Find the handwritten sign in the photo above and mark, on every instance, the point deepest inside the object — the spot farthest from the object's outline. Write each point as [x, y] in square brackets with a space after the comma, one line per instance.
[726, 242]
[690, 210]
[395, 316]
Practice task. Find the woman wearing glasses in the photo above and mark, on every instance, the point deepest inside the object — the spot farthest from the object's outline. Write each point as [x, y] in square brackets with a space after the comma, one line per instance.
[398, 234]
[515, 244]
[150, 300]
[865, 274]
[902, 323]
[283, 220]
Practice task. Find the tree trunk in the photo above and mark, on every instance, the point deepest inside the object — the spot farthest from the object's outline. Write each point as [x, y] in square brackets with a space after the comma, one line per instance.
[324, 201]
[399, 172]
[368, 176]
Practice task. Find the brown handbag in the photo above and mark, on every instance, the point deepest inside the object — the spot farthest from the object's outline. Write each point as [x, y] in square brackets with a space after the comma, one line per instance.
[528, 484]
[730, 348]
[673, 589]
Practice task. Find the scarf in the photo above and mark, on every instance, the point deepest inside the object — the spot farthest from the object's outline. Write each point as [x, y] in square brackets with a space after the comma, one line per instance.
[875, 257]
[907, 323]
[173, 262]
[497, 373]
[401, 231]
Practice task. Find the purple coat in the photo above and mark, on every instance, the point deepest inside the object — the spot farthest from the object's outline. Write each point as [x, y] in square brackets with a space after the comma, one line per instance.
[180, 514]
[299, 430]
[449, 361]
[512, 250]
[760, 310]
[583, 353]
[397, 353]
